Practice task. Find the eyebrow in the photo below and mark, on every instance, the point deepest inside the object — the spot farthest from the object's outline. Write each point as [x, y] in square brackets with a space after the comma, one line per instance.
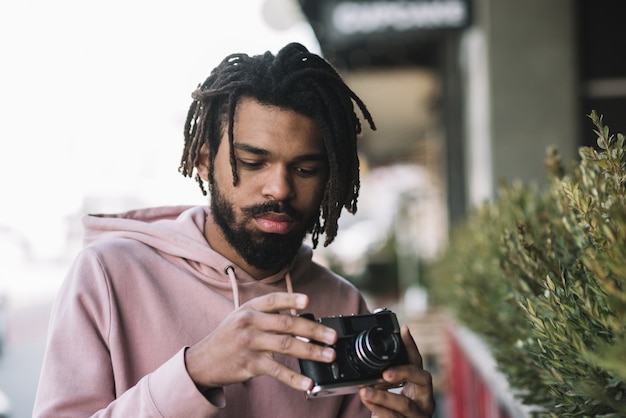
[317, 156]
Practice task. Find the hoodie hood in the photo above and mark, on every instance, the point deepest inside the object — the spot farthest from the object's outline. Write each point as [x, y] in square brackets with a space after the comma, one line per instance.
[179, 231]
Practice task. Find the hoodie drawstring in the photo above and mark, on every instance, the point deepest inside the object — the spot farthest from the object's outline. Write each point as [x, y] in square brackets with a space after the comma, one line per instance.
[290, 289]
[230, 270]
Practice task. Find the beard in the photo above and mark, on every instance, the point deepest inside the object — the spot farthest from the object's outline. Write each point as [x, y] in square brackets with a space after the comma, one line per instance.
[261, 250]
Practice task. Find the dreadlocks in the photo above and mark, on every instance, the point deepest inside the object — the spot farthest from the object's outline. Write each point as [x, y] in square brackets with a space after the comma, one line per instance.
[293, 79]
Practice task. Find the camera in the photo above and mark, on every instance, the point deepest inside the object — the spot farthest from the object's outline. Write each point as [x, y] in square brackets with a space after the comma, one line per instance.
[366, 345]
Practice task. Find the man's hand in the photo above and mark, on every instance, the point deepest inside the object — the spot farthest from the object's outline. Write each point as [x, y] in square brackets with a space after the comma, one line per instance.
[242, 346]
[416, 399]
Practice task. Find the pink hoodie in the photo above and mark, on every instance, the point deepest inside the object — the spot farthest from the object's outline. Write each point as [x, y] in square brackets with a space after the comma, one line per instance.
[146, 286]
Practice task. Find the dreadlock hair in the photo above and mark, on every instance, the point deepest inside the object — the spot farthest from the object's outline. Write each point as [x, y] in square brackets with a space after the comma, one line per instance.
[293, 79]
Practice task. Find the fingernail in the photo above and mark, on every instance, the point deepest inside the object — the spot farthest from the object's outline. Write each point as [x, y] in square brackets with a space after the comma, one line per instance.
[330, 335]
[301, 301]
[305, 383]
[367, 393]
[328, 354]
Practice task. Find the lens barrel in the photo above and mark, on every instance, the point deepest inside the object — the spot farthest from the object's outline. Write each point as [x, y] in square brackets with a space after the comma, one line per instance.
[375, 348]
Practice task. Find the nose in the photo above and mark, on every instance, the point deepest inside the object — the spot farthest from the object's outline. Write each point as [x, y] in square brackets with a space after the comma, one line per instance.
[278, 184]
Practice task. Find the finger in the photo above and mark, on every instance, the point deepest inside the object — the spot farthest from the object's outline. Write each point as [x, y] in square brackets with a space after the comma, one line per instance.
[412, 372]
[278, 301]
[411, 347]
[268, 366]
[385, 404]
[250, 320]
[287, 344]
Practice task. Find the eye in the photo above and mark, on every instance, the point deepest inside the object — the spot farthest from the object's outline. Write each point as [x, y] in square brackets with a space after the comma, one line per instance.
[250, 164]
[307, 171]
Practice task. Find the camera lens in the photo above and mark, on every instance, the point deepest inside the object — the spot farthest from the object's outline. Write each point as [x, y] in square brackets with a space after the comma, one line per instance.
[376, 347]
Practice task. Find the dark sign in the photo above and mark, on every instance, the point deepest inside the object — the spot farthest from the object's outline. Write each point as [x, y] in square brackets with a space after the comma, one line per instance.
[347, 19]
[342, 26]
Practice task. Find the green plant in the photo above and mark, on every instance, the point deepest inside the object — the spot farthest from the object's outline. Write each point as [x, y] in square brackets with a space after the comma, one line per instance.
[542, 277]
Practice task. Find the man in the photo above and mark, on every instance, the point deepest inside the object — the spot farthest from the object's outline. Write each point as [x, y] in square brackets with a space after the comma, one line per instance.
[190, 311]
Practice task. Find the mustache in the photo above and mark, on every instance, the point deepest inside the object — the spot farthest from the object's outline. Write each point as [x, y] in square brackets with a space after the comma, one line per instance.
[275, 207]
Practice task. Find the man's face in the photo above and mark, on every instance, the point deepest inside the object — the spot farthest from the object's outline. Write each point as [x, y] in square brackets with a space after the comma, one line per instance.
[282, 168]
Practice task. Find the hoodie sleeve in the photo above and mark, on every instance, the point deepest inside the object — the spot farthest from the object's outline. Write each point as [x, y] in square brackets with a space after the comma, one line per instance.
[78, 378]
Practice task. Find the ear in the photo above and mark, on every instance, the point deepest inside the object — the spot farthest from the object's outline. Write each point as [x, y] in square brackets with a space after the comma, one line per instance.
[203, 165]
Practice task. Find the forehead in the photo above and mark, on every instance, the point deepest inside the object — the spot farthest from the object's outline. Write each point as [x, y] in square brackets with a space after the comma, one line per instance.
[276, 128]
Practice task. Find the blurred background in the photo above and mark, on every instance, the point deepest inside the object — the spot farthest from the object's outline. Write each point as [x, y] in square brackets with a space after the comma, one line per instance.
[93, 97]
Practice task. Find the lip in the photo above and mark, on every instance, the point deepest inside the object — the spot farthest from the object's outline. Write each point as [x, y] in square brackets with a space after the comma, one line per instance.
[274, 223]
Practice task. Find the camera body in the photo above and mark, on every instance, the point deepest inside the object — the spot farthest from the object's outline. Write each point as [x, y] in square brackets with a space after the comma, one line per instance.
[366, 345]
